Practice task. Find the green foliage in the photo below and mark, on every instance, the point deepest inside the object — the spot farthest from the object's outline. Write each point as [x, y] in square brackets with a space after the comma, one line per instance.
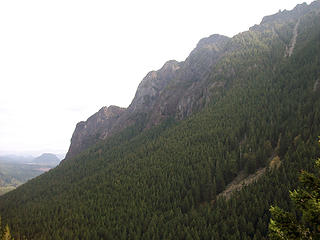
[13, 174]
[5, 232]
[285, 225]
[164, 183]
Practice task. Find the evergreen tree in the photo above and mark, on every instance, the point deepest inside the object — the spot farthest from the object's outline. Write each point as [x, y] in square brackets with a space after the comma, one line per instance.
[285, 225]
[6, 234]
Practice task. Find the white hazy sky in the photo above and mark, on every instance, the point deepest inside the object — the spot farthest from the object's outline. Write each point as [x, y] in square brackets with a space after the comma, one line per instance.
[62, 60]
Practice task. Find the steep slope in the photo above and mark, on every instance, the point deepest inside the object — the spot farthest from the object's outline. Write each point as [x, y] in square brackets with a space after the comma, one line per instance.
[160, 183]
[175, 90]
[180, 88]
[14, 170]
[97, 127]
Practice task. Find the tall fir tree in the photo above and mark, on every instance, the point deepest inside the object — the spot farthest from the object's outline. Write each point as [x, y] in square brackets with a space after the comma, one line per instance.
[285, 225]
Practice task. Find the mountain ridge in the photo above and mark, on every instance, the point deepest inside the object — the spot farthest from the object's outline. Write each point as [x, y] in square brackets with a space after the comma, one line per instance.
[47, 159]
[95, 128]
[157, 103]
[154, 97]
[162, 182]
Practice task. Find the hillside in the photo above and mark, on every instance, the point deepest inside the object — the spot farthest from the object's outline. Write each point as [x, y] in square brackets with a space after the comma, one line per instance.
[46, 159]
[14, 174]
[174, 91]
[16, 170]
[251, 103]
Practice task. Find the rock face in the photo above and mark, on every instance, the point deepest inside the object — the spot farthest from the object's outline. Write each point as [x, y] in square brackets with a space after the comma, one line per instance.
[179, 89]
[190, 92]
[175, 90]
[175, 82]
[152, 86]
[97, 127]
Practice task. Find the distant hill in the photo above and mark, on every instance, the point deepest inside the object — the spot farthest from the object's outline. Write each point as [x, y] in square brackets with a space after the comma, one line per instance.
[202, 152]
[16, 170]
[47, 159]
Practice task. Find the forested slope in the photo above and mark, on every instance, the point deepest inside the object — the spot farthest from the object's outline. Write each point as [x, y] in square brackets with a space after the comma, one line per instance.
[162, 183]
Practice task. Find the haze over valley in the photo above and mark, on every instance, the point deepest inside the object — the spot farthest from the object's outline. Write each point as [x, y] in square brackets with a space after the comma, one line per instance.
[16, 170]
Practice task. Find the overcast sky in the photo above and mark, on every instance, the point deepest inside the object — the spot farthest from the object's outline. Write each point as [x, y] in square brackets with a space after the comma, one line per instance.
[62, 60]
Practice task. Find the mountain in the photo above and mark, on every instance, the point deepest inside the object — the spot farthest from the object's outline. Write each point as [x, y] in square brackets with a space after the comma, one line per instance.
[46, 159]
[16, 170]
[13, 174]
[205, 148]
[97, 127]
[176, 90]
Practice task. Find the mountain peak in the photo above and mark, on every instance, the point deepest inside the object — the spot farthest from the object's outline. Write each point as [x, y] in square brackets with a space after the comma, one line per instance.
[152, 84]
[171, 65]
[299, 10]
[95, 128]
[109, 112]
[212, 40]
[177, 89]
[250, 107]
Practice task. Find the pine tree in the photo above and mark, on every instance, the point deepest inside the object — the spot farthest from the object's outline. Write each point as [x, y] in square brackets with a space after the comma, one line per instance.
[6, 235]
[285, 225]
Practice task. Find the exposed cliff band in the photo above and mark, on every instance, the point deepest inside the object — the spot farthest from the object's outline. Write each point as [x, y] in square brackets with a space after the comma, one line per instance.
[179, 89]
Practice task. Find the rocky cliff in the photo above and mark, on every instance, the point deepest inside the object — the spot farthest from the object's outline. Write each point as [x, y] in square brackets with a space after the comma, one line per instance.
[179, 89]
[261, 109]
[97, 127]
